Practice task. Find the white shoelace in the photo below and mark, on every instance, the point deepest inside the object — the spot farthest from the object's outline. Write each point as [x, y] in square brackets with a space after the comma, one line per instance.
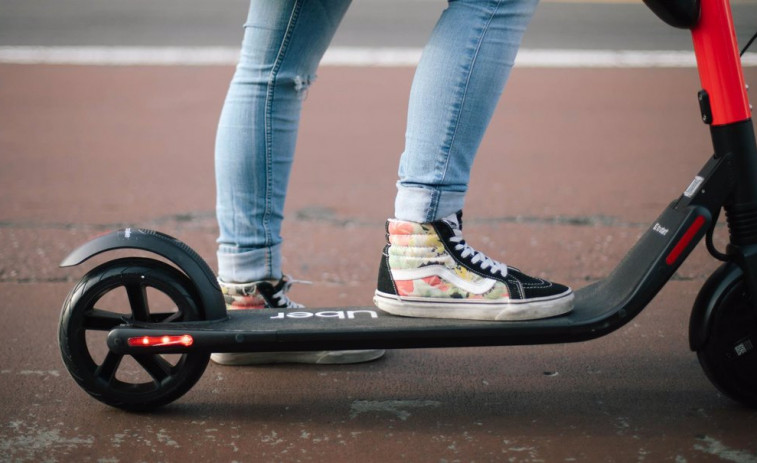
[479, 258]
[284, 300]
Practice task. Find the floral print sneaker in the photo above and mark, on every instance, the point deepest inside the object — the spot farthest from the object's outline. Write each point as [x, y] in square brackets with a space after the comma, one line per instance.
[259, 295]
[273, 295]
[428, 270]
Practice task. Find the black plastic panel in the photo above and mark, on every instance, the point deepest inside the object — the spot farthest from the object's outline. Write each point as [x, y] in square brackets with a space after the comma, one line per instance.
[683, 14]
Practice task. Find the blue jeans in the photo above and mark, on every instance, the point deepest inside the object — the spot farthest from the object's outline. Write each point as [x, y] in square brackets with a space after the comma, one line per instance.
[455, 90]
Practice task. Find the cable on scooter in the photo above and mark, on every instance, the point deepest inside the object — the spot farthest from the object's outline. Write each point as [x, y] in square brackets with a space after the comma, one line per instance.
[710, 245]
[748, 44]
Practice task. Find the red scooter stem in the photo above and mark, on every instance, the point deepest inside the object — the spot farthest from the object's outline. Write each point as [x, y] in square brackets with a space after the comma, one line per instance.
[719, 63]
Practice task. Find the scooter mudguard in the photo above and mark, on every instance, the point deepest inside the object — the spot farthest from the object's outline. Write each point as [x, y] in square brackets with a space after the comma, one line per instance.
[708, 299]
[184, 257]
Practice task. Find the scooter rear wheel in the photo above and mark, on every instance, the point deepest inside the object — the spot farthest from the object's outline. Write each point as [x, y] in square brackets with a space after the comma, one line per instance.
[121, 292]
[729, 356]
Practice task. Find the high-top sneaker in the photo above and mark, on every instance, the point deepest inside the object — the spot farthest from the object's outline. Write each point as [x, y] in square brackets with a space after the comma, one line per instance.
[273, 295]
[258, 294]
[428, 270]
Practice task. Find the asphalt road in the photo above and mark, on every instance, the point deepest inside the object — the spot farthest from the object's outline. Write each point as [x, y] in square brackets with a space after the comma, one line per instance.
[556, 25]
[576, 166]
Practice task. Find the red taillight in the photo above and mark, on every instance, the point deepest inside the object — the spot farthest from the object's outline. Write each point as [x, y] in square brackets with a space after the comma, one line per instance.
[156, 341]
[685, 240]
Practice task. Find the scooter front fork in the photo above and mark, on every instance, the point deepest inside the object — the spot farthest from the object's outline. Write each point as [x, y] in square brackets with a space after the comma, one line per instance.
[733, 189]
[731, 184]
[738, 141]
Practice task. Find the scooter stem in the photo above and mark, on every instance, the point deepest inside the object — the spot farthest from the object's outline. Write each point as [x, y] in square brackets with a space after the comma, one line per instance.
[719, 64]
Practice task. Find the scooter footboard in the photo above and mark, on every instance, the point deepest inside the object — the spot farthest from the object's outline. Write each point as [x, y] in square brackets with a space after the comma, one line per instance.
[645, 269]
[600, 309]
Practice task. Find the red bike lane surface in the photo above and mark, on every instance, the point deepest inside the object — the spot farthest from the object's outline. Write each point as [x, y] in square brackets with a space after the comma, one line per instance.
[574, 167]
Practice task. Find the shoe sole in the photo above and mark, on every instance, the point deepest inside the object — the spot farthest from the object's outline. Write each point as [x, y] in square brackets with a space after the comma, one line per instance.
[533, 309]
[341, 357]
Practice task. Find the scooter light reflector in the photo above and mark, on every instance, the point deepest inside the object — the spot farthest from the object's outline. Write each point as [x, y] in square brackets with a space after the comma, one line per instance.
[159, 341]
[685, 240]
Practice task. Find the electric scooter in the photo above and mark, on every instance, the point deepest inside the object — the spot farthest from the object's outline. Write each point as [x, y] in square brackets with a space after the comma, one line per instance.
[170, 347]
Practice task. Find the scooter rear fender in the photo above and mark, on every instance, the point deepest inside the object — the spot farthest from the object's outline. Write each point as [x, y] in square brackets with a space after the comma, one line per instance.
[708, 299]
[187, 260]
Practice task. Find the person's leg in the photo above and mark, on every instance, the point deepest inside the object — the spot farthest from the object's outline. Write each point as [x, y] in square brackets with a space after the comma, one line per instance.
[283, 43]
[427, 269]
[456, 88]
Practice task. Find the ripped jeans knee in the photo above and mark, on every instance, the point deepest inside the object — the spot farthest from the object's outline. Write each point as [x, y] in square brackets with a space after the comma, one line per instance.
[302, 85]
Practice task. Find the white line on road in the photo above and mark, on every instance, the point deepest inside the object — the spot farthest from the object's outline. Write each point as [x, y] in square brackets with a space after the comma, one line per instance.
[339, 56]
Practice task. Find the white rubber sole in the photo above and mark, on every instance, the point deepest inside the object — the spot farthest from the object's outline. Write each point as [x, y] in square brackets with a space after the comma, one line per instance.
[532, 309]
[339, 357]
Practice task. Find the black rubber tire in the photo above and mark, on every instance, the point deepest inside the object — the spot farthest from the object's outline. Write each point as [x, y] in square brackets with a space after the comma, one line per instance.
[167, 381]
[729, 357]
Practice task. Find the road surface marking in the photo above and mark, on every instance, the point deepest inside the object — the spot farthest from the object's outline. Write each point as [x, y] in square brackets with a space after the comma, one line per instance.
[339, 56]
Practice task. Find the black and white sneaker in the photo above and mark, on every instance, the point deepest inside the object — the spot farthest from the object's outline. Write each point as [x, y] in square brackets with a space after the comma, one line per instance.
[428, 270]
[273, 295]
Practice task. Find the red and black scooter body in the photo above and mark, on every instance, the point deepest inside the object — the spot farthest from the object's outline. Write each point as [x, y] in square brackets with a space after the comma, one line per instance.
[727, 181]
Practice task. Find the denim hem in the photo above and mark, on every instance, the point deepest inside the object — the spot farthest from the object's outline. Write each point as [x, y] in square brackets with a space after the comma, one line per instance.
[243, 266]
[418, 204]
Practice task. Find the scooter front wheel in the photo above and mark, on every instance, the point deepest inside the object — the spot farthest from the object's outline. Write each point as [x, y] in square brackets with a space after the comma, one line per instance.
[121, 292]
[729, 356]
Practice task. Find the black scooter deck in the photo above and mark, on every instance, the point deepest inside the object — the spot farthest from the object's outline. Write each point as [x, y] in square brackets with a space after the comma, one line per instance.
[369, 328]
[599, 309]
